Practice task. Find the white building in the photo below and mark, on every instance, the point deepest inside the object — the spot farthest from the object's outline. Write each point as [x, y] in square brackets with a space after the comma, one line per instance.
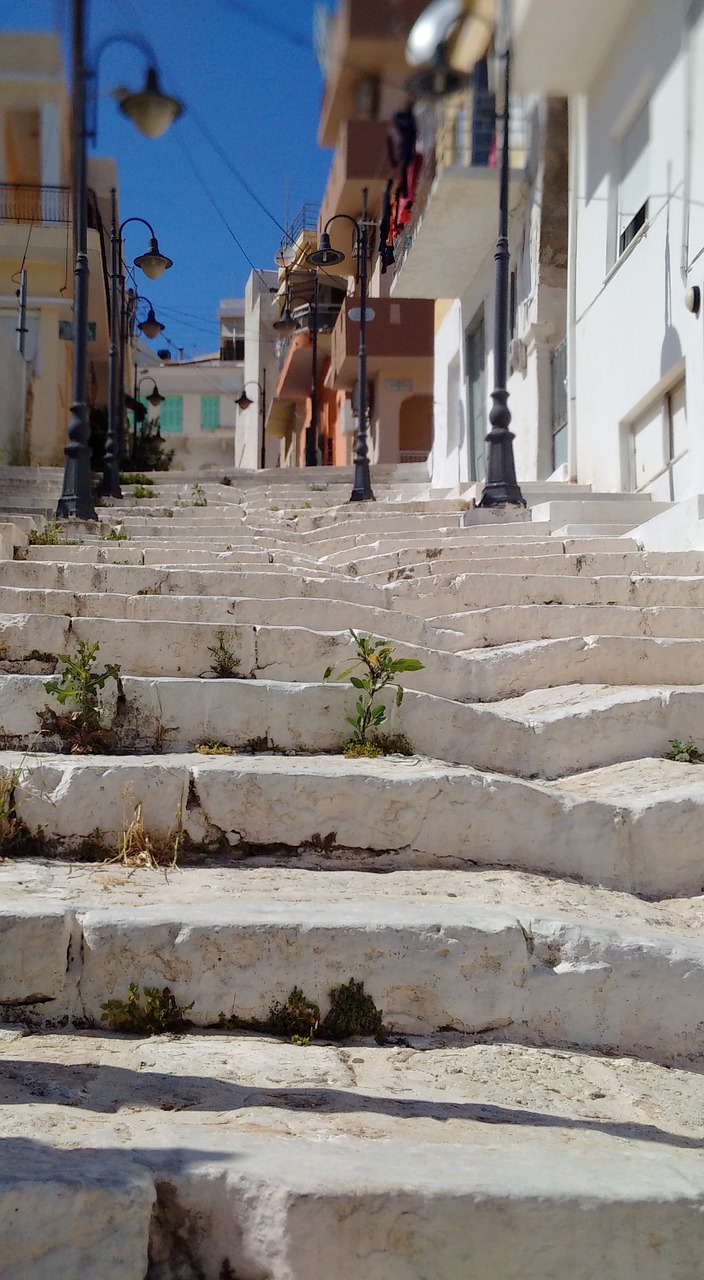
[636, 226]
[607, 268]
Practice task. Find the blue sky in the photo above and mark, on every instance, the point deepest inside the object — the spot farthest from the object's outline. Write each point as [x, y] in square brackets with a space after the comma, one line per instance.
[248, 71]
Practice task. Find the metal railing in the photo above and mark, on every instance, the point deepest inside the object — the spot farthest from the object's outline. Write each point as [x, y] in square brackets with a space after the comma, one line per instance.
[26, 202]
[413, 455]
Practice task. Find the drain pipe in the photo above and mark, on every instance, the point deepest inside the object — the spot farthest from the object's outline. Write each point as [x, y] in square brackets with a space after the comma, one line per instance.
[575, 112]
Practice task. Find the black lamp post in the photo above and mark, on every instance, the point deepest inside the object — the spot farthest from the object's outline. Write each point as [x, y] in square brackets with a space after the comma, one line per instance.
[152, 112]
[501, 487]
[153, 264]
[326, 256]
[155, 398]
[427, 47]
[243, 402]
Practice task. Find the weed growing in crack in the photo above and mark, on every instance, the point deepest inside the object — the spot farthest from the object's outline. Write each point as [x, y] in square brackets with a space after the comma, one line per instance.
[16, 840]
[687, 752]
[380, 669]
[52, 535]
[157, 1014]
[198, 495]
[297, 1018]
[352, 1012]
[115, 535]
[142, 491]
[80, 686]
[213, 748]
[225, 662]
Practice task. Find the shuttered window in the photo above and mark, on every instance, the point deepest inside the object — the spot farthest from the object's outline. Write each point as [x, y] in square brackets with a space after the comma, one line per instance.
[171, 415]
[209, 413]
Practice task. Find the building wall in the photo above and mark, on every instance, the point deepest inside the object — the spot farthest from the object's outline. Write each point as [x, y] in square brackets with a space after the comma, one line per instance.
[632, 337]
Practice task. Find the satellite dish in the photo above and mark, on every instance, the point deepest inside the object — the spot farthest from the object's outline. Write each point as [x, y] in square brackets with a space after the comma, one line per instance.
[434, 26]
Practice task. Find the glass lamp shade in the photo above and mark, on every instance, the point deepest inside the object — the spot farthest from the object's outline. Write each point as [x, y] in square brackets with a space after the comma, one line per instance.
[432, 29]
[151, 327]
[156, 398]
[243, 401]
[151, 111]
[153, 263]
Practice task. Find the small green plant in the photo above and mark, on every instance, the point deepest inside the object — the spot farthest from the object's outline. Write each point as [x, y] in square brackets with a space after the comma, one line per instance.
[149, 591]
[297, 1017]
[225, 662]
[134, 477]
[198, 497]
[687, 752]
[154, 1016]
[52, 535]
[115, 535]
[169, 513]
[213, 748]
[141, 491]
[80, 685]
[380, 668]
[352, 1012]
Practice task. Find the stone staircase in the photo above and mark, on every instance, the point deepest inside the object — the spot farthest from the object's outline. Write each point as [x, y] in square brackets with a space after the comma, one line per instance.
[522, 896]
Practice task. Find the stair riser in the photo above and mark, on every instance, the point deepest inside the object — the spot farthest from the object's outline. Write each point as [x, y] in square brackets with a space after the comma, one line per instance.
[392, 814]
[548, 981]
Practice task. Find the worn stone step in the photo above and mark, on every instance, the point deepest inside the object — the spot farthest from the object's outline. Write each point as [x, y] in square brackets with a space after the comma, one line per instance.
[321, 614]
[298, 654]
[606, 826]
[388, 1163]
[510, 624]
[427, 597]
[430, 965]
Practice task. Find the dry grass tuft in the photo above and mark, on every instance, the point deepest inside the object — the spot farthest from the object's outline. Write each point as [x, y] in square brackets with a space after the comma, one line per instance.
[137, 848]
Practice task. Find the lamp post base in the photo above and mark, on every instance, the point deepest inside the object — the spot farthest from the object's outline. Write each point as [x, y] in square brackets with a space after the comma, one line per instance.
[362, 485]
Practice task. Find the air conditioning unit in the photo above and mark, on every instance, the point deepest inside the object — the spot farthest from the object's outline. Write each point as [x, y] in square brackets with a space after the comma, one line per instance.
[517, 356]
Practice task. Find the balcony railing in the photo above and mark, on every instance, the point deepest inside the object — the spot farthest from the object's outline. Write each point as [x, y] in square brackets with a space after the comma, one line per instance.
[25, 202]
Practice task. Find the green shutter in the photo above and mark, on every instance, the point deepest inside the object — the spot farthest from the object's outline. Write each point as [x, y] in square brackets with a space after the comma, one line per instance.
[209, 413]
[171, 415]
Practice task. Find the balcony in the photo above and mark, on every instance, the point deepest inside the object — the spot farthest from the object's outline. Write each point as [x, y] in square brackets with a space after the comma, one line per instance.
[400, 337]
[360, 160]
[296, 369]
[455, 219]
[25, 202]
[562, 52]
[367, 49]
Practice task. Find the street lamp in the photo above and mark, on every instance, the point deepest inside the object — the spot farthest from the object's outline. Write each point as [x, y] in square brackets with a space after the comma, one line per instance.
[326, 256]
[243, 401]
[428, 39]
[153, 264]
[152, 112]
[155, 398]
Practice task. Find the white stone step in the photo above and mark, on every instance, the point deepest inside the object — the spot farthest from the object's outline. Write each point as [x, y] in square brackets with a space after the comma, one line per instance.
[607, 826]
[289, 654]
[405, 1160]
[427, 964]
[510, 624]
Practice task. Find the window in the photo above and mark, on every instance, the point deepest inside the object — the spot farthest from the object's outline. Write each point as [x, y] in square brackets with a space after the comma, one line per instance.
[475, 354]
[171, 415]
[659, 439]
[633, 179]
[209, 413]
